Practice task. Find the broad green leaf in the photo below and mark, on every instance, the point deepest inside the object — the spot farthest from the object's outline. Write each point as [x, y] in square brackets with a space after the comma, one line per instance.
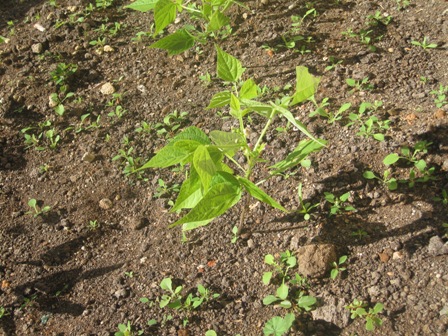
[219, 100]
[306, 85]
[228, 67]
[204, 166]
[248, 90]
[278, 326]
[285, 304]
[190, 192]
[259, 194]
[391, 159]
[306, 302]
[219, 198]
[192, 133]
[420, 165]
[186, 145]
[269, 259]
[229, 142]
[142, 5]
[263, 109]
[301, 127]
[269, 299]
[164, 14]
[378, 136]
[175, 43]
[167, 156]
[267, 278]
[303, 149]
[166, 284]
[235, 107]
[368, 175]
[282, 291]
[217, 21]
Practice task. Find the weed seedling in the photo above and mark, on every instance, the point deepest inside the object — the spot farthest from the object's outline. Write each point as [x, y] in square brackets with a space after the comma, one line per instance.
[144, 128]
[130, 164]
[338, 267]
[164, 190]
[3, 312]
[378, 18]
[36, 210]
[305, 207]
[387, 180]
[324, 112]
[235, 234]
[443, 198]
[359, 85]
[424, 44]
[334, 62]
[358, 310]
[402, 4]
[440, 96]
[126, 330]
[338, 203]
[63, 73]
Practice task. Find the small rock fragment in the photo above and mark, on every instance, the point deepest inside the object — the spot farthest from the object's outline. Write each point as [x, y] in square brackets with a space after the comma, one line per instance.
[108, 48]
[397, 255]
[332, 310]
[107, 89]
[105, 204]
[37, 48]
[88, 157]
[439, 114]
[139, 223]
[52, 102]
[121, 293]
[436, 246]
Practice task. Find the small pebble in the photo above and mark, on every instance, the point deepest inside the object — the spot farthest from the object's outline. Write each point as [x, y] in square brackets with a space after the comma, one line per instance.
[107, 89]
[88, 157]
[37, 48]
[105, 204]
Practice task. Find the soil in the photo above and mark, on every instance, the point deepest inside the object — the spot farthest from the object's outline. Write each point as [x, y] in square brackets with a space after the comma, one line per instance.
[63, 275]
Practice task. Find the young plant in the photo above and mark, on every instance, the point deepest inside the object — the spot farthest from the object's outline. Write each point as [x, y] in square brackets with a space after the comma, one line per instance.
[212, 21]
[36, 210]
[359, 85]
[63, 73]
[387, 180]
[3, 312]
[369, 127]
[440, 96]
[94, 225]
[410, 155]
[338, 267]
[165, 190]
[443, 198]
[305, 207]
[171, 123]
[334, 62]
[402, 4]
[126, 330]
[327, 112]
[212, 186]
[358, 310]
[278, 326]
[130, 163]
[378, 18]
[235, 235]
[338, 203]
[424, 44]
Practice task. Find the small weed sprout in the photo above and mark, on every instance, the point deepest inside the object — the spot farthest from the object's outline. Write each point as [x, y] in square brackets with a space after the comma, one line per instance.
[387, 180]
[358, 310]
[338, 203]
[126, 330]
[3, 312]
[402, 4]
[443, 197]
[36, 210]
[305, 207]
[279, 326]
[440, 96]
[359, 85]
[235, 235]
[94, 225]
[424, 44]
[338, 267]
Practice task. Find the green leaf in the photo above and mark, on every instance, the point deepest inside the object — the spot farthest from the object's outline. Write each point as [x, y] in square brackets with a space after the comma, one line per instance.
[301, 127]
[303, 149]
[219, 198]
[190, 192]
[282, 291]
[378, 136]
[217, 21]
[167, 156]
[211, 333]
[259, 194]
[228, 67]
[267, 278]
[263, 109]
[142, 5]
[369, 175]
[229, 142]
[420, 165]
[306, 85]
[269, 299]
[278, 326]
[204, 166]
[269, 259]
[219, 100]
[391, 159]
[166, 284]
[175, 43]
[235, 107]
[192, 133]
[248, 89]
[306, 302]
[164, 14]
[60, 109]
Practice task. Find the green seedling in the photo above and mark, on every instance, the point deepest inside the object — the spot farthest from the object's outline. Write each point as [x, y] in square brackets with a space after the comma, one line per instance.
[334, 62]
[126, 330]
[171, 123]
[235, 234]
[140, 36]
[338, 203]
[210, 15]
[3, 312]
[63, 73]
[285, 297]
[144, 128]
[440, 96]
[364, 37]
[409, 155]
[359, 85]
[359, 234]
[27, 302]
[338, 267]
[305, 207]
[279, 326]
[211, 333]
[94, 124]
[36, 210]
[297, 21]
[118, 112]
[99, 42]
[57, 101]
[370, 126]
[387, 180]
[424, 44]
[130, 163]
[212, 186]
[103, 4]
[164, 190]
[129, 274]
[358, 310]
[402, 4]
[94, 225]
[443, 198]
[378, 18]
[206, 79]
[327, 113]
